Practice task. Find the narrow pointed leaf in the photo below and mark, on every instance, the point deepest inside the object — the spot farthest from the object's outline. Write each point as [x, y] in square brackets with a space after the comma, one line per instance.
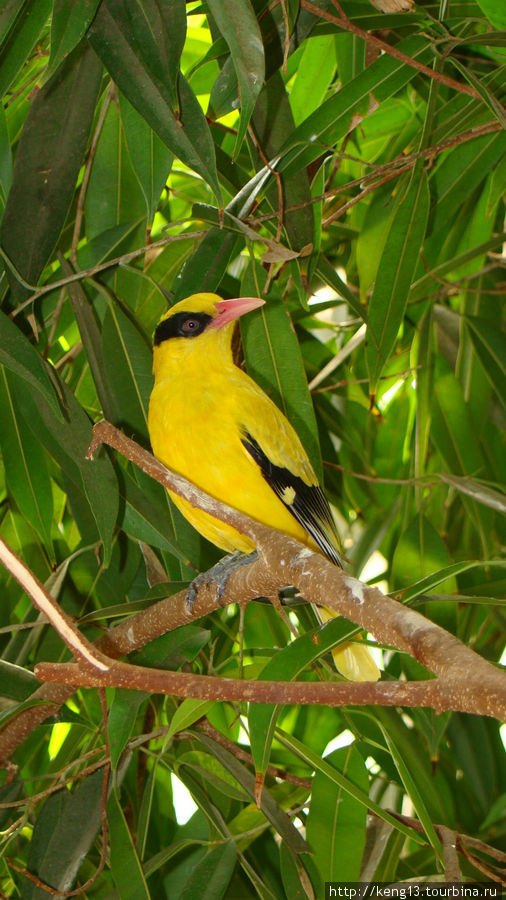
[63, 835]
[49, 156]
[20, 36]
[130, 62]
[337, 821]
[212, 875]
[397, 265]
[125, 864]
[285, 666]
[238, 24]
[19, 356]
[25, 464]
[490, 347]
[151, 158]
[90, 335]
[69, 23]
[128, 364]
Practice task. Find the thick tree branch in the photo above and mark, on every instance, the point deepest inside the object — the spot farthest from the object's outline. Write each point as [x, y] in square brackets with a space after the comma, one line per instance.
[464, 682]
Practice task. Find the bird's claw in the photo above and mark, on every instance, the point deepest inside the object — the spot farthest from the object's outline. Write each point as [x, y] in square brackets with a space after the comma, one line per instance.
[218, 575]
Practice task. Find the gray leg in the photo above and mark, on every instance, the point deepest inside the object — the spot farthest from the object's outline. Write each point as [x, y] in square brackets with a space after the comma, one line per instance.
[219, 575]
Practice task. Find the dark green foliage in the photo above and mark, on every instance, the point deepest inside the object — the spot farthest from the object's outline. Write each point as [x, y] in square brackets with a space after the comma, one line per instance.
[152, 149]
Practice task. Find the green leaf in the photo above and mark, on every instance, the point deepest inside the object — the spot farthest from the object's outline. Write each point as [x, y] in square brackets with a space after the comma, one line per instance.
[490, 347]
[146, 520]
[313, 77]
[188, 712]
[113, 195]
[315, 761]
[211, 876]
[67, 442]
[205, 268]
[16, 683]
[420, 551]
[495, 12]
[126, 868]
[18, 355]
[477, 491]
[332, 120]
[69, 23]
[452, 429]
[414, 781]
[459, 173]
[151, 158]
[49, 156]
[336, 822]
[25, 465]
[400, 256]
[128, 368]
[90, 335]
[285, 666]
[238, 24]
[272, 132]
[328, 274]
[22, 29]
[426, 585]
[273, 812]
[123, 713]
[63, 835]
[138, 67]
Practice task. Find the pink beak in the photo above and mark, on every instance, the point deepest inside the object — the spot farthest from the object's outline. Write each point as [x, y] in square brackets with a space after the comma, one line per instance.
[228, 310]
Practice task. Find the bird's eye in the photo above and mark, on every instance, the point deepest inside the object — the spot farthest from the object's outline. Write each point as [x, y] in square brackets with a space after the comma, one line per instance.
[190, 325]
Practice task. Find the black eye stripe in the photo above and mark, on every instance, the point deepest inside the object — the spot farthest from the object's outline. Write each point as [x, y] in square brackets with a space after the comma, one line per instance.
[181, 324]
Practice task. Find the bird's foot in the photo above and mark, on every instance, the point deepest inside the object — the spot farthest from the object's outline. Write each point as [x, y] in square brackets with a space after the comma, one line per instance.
[218, 575]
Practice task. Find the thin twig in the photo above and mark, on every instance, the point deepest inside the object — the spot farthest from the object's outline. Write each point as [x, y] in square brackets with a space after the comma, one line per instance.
[87, 172]
[376, 42]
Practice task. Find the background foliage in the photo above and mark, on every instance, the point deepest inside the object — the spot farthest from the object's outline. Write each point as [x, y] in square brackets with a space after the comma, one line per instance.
[158, 149]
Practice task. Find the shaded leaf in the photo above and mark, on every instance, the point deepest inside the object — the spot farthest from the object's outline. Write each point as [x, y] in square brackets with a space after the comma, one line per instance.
[151, 158]
[25, 465]
[69, 23]
[20, 357]
[212, 875]
[128, 364]
[122, 716]
[490, 347]
[23, 23]
[125, 864]
[237, 22]
[336, 821]
[49, 156]
[138, 70]
[64, 832]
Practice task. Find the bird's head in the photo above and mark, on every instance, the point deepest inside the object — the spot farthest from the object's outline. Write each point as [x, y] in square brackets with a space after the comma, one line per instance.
[202, 323]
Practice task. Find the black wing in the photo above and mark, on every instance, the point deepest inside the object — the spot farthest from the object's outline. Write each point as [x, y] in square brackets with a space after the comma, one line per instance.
[306, 502]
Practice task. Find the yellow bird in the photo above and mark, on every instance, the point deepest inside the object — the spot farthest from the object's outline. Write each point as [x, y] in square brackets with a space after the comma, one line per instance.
[210, 422]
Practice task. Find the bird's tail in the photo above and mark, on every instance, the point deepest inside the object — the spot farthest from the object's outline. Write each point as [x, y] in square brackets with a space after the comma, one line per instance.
[353, 660]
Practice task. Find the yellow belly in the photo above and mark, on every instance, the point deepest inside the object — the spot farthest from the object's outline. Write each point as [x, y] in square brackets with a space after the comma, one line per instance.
[200, 439]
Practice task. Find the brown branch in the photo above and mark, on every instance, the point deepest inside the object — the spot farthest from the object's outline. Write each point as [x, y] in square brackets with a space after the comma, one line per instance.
[95, 270]
[374, 41]
[399, 164]
[465, 681]
[111, 93]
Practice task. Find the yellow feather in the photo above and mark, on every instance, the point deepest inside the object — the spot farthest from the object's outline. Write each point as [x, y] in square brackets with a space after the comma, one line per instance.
[200, 407]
